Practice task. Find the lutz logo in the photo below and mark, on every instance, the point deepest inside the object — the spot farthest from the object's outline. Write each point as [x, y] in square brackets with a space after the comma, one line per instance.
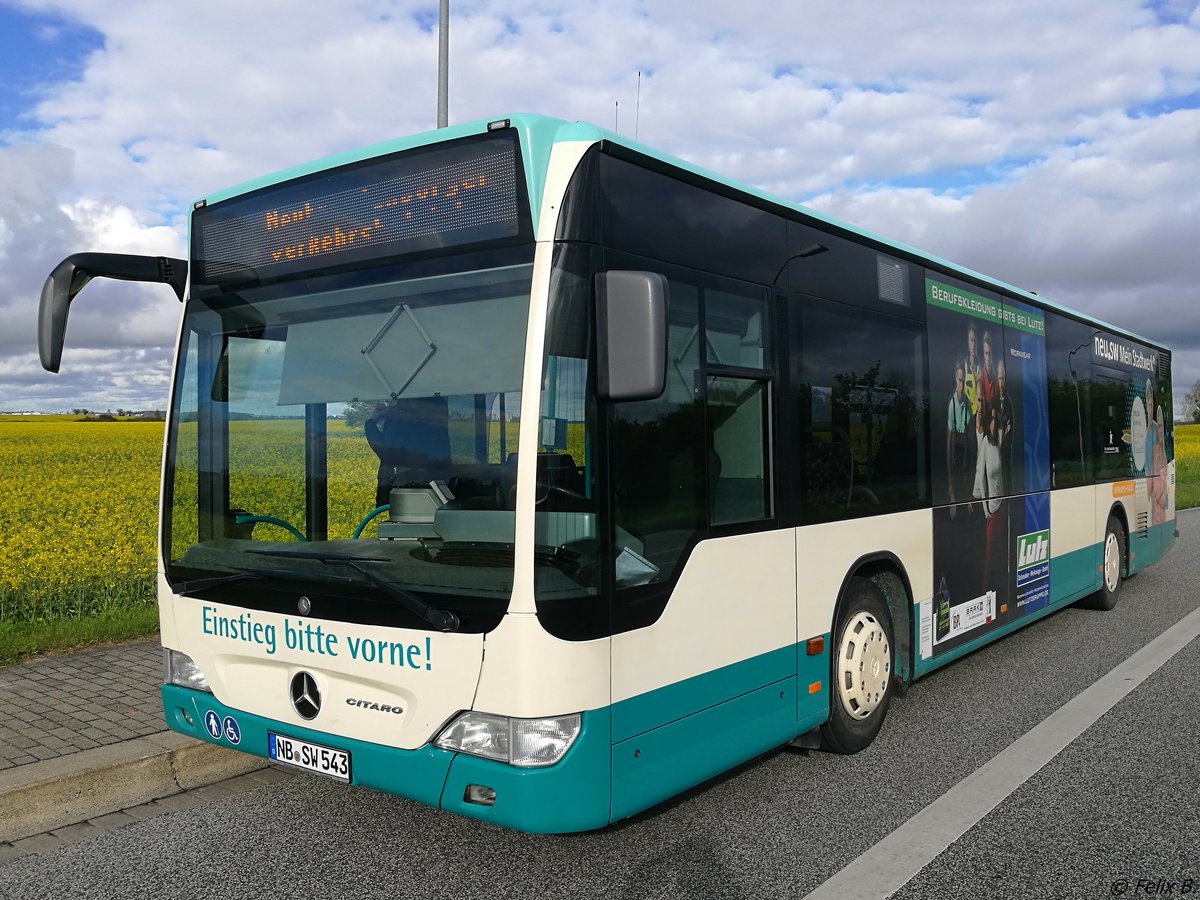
[1033, 549]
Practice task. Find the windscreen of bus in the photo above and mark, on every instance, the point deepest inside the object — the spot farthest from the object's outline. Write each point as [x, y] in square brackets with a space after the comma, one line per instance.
[352, 446]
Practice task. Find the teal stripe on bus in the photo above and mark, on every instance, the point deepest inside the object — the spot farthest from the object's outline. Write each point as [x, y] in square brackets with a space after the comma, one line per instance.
[1149, 549]
[683, 698]
[711, 722]
[657, 765]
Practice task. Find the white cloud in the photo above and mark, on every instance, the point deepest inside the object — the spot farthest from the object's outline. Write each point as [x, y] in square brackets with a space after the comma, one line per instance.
[1052, 145]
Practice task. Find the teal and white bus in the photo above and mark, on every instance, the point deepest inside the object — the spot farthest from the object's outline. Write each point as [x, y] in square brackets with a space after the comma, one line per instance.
[523, 471]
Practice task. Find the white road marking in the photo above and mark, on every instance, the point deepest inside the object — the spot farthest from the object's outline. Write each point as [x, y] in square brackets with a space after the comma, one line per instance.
[891, 863]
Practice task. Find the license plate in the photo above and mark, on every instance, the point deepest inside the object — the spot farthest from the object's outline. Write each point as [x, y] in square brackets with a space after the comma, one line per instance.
[310, 757]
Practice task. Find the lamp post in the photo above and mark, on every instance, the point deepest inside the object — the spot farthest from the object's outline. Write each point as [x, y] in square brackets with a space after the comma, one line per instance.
[443, 64]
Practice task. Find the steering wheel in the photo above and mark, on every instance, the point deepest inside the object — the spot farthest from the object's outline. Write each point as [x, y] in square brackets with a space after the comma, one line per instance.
[544, 491]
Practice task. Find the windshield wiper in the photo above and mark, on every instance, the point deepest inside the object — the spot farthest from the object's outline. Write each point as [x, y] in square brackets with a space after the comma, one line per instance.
[266, 574]
[200, 585]
[317, 555]
[441, 619]
[197, 586]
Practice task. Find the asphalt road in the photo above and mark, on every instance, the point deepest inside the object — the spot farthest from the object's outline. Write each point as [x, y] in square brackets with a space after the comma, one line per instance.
[1115, 813]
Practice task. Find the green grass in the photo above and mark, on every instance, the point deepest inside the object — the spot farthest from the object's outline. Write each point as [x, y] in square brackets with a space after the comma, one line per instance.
[1187, 466]
[21, 639]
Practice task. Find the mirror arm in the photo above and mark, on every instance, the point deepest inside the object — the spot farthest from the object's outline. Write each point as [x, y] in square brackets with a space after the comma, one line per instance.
[71, 276]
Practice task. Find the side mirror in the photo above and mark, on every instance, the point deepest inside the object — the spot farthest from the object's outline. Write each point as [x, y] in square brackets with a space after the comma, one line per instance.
[71, 276]
[631, 312]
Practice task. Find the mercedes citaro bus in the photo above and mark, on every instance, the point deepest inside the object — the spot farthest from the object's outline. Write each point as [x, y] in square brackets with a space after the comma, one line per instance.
[526, 472]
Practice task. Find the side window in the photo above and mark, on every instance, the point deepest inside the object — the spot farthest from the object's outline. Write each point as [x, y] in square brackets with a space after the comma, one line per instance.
[658, 462]
[1068, 367]
[1164, 413]
[697, 456]
[734, 325]
[184, 478]
[690, 224]
[862, 408]
[1109, 423]
[737, 424]
[567, 576]
[736, 328]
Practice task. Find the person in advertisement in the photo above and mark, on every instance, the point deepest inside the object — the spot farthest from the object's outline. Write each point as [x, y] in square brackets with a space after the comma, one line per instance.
[987, 376]
[958, 416]
[971, 384]
[990, 488]
[1004, 412]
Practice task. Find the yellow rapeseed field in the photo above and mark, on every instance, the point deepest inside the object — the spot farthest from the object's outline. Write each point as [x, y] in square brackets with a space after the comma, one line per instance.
[78, 506]
[1187, 466]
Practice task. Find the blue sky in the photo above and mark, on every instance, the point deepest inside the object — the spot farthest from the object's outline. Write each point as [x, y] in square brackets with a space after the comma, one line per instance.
[37, 51]
[1054, 146]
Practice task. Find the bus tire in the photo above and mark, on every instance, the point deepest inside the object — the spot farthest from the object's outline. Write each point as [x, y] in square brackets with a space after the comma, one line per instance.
[1112, 569]
[861, 669]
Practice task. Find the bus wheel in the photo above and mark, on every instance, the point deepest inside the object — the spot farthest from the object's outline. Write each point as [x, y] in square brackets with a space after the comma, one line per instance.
[1112, 570]
[862, 669]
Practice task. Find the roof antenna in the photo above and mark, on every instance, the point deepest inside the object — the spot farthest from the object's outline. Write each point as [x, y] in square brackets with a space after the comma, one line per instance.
[637, 109]
[616, 116]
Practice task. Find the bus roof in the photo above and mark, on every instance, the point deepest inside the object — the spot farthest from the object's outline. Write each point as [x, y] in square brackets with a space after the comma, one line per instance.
[538, 136]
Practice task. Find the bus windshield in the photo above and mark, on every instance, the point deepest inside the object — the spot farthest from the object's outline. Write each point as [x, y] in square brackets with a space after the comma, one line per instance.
[355, 445]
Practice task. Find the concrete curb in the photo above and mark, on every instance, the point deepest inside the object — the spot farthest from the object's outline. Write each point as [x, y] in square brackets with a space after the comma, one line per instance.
[45, 795]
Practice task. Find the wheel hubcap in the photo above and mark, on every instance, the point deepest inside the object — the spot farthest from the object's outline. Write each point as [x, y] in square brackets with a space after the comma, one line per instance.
[864, 665]
[1112, 562]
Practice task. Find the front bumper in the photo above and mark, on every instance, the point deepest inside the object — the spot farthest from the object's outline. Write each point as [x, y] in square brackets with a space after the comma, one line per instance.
[572, 795]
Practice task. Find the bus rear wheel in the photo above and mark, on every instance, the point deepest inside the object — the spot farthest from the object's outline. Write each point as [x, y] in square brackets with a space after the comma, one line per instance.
[862, 668]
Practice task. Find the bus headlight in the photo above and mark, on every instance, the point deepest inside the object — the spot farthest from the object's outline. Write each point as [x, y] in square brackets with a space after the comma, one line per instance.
[181, 670]
[519, 742]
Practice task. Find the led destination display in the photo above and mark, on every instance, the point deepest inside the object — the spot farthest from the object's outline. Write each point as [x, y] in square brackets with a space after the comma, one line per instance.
[458, 194]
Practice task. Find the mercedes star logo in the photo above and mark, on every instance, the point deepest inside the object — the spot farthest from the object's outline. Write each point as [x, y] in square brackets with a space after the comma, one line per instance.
[306, 696]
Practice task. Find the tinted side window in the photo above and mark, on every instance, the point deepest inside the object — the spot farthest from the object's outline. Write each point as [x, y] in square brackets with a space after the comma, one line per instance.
[658, 460]
[1167, 405]
[570, 604]
[1068, 368]
[821, 264]
[1130, 426]
[738, 436]
[654, 215]
[1110, 443]
[860, 392]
